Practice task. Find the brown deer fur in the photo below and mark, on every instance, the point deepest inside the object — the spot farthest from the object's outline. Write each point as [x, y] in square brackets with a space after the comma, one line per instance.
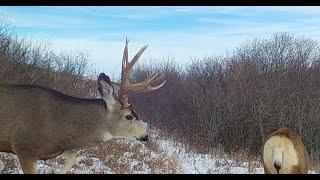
[40, 123]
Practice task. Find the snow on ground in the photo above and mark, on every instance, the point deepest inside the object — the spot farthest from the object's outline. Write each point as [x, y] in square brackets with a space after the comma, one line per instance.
[1, 165]
[194, 163]
[122, 156]
[48, 166]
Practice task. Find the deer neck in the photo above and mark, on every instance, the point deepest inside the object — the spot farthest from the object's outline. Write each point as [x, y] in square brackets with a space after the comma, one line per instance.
[92, 125]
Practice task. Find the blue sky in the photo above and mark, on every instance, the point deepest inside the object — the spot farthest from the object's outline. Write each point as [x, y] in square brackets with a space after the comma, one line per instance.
[181, 33]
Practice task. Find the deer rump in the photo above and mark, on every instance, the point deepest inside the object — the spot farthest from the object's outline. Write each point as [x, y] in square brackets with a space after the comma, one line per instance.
[284, 153]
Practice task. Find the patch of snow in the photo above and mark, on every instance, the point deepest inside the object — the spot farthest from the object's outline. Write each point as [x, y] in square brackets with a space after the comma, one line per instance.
[195, 163]
[190, 162]
[1, 166]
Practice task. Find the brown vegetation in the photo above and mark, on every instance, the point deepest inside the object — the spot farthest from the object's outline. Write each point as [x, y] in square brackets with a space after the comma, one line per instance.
[232, 102]
[235, 101]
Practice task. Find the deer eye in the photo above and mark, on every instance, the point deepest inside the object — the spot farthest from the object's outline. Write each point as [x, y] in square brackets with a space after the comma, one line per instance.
[129, 117]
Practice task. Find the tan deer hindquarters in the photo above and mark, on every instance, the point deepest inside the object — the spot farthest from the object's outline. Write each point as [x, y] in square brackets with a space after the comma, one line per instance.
[284, 153]
[276, 150]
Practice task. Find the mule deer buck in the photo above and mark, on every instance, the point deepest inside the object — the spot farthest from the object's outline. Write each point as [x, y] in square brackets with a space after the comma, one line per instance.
[284, 153]
[37, 123]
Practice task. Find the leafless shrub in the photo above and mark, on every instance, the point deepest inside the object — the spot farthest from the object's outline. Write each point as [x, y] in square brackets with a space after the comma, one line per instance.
[30, 62]
[26, 62]
[232, 102]
[237, 100]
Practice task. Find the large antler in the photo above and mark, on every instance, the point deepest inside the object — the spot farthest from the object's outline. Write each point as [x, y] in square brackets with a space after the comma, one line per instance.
[126, 86]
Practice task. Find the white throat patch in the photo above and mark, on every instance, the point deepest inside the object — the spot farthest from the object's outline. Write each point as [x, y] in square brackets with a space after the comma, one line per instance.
[106, 136]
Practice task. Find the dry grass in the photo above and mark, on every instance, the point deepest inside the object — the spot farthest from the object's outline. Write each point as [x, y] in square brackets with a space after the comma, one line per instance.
[233, 102]
[127, 158]
[118, 156]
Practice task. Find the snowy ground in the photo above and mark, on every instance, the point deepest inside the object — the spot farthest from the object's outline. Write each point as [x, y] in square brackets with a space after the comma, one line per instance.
[195, 163]
[122, 156]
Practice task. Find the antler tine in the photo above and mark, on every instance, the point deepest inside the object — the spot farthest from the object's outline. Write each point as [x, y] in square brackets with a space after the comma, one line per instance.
[145, 85]
[125, 58]
[158, 78]
[134, 60]
[122, 96]
[126, 72]
[126, 86]
[146, 82]
[152, 88]
[126, 52]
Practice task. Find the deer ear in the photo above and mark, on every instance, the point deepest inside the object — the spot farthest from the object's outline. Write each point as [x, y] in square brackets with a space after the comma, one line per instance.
[104, 86]
[105, 78]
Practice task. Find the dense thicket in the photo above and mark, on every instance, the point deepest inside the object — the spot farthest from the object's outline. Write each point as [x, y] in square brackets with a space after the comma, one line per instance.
[235, 101]
[232, 102]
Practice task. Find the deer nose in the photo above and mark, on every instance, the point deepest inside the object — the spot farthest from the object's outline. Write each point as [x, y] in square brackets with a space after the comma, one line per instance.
[146, 138]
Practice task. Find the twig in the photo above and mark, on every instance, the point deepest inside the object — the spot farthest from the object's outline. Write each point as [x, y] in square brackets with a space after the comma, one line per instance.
[194, 162]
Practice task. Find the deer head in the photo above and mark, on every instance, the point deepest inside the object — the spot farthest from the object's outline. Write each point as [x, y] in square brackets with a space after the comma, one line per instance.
[126, 122]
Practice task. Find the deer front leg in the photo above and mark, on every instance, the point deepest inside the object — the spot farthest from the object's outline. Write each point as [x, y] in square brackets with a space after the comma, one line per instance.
[28, 165]
[26, 159]
[70, 160]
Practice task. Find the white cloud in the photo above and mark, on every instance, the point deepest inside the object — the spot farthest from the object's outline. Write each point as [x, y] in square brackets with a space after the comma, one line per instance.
[106, 55]
[53, 20]
[180, 43]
